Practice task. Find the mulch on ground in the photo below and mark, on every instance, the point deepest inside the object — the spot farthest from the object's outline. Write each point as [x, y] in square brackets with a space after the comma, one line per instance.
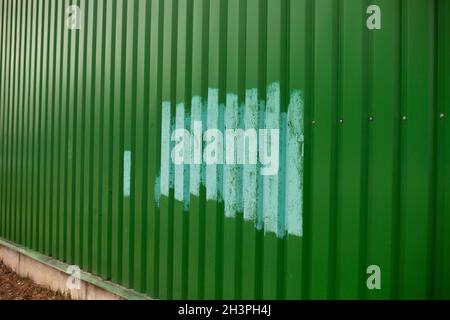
[14, 287]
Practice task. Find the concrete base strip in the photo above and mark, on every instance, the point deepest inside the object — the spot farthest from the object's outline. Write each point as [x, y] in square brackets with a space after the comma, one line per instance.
[53, 274]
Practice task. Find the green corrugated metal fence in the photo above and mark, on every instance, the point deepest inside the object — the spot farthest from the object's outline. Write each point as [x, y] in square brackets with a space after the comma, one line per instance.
[364, 171]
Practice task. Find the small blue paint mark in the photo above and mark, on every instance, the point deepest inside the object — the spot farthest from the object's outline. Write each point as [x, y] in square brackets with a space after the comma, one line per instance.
[157, 190]
[127, 174]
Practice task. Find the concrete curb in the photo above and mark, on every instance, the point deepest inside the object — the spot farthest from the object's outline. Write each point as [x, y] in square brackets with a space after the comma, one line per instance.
[52, 273]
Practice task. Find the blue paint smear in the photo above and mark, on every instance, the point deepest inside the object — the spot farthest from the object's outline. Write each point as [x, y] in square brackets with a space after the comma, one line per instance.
[127, 174]
[274, 203]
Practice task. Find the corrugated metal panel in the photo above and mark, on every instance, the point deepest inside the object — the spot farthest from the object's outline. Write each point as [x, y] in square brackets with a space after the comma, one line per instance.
[86, 116]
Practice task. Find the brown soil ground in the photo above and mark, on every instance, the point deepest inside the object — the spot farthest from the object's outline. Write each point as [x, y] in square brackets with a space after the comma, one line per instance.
[14, 287]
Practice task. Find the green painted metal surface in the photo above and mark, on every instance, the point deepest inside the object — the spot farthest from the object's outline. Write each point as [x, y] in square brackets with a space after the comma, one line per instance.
[364, 160]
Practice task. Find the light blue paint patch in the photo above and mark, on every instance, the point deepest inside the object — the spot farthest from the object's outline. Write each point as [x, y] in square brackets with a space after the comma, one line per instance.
[127, 174]
[195, 172]
[205, 124]
[165, 150]
[294, 165]
[231, 171]
[275, 202]
[259, 223]
[181, 171]
[179, 168]
[220, 166]
[250, 170]
[186, 167]
[171, 163]
[281, 225]
[212, 123]
[239, 169]
[271, 182]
